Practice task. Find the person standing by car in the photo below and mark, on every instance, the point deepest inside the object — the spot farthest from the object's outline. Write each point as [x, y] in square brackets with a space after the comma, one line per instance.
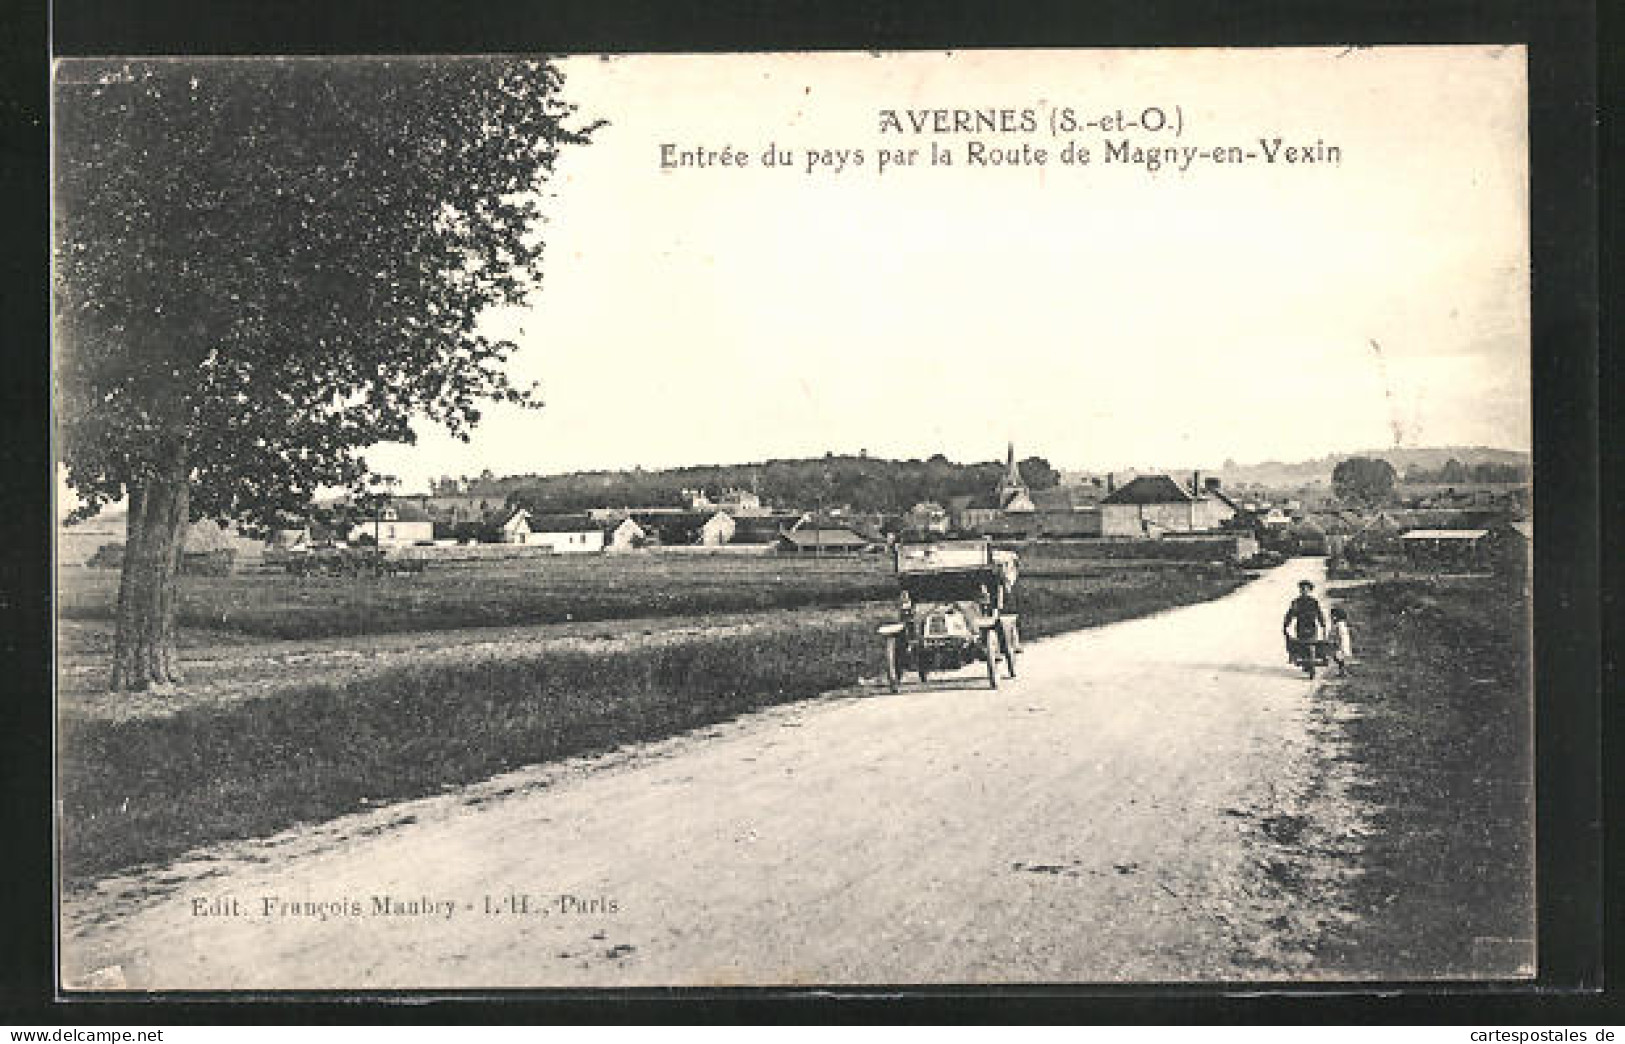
[1304, 621]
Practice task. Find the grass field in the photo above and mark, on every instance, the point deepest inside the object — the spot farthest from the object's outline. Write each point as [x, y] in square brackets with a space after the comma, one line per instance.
[1444, 738]
[535, 591]
[143, 789]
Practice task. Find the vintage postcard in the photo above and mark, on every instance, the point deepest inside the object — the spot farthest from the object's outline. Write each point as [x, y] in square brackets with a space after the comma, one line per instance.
[793, 519]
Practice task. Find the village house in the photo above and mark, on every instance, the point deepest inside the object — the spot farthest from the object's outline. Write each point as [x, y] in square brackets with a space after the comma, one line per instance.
[1152, 505]
[393, 525]
[626, 535]
[513, 527]
[1068, 512]
[565, 534]
[717, 530]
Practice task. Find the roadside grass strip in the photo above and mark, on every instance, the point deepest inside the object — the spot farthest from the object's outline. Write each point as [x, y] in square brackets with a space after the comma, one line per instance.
[1440, 724]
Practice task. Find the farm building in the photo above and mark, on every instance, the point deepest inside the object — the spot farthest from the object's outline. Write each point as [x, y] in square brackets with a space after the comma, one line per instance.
[1154, 504]
[625, 536]
[395, 525]
[1447, 548]
[566, 534]
[810, 540]
[763, 529]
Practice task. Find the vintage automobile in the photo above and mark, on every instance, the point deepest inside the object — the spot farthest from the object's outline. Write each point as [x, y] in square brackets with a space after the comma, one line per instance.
[951, 610]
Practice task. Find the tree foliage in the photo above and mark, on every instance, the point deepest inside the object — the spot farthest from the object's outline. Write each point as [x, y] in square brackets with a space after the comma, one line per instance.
[860, 482]
[1455, 472]
[264, 267]
[278, 263]
[1364, 480]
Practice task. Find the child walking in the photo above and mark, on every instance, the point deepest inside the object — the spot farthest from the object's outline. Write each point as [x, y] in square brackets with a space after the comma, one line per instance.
[1341, 640]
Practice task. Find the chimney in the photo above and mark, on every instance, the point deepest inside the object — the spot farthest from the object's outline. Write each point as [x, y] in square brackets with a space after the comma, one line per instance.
[1196, 483]
[1111, 483]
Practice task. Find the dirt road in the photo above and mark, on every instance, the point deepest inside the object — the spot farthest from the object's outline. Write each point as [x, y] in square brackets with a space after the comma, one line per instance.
[1151, 800]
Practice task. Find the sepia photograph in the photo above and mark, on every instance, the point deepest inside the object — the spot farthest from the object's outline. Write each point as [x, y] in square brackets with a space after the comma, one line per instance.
[991, 517]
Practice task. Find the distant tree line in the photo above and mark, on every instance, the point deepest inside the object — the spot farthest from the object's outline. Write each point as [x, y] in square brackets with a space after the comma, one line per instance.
[1454, 472]
[862, 483]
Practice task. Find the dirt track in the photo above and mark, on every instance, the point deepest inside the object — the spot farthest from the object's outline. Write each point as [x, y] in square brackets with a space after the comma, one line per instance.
[1151, 800]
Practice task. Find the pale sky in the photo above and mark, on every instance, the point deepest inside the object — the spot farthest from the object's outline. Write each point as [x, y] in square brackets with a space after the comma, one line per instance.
[1100, 315]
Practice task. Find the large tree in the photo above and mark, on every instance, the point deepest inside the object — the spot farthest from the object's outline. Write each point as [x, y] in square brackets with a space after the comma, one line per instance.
[264, 267]
[1364, 480]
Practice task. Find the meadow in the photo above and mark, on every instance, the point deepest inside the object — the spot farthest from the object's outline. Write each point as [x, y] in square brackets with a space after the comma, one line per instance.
[140, 789]
[499, 593]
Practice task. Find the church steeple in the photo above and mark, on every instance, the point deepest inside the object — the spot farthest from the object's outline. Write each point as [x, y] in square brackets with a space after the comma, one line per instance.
[1012, 485]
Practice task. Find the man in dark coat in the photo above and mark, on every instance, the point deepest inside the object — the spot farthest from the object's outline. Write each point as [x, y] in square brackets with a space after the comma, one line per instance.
[1304, 621]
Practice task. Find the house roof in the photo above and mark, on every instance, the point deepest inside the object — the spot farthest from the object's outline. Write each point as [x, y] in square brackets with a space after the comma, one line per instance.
[760, 529]
[409, 512]
[1064, 498]
[1445, 534]
[806, 537]
[563, 524]
[1150, 489]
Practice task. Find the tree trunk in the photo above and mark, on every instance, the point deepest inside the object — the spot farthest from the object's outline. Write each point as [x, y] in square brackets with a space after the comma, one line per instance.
[144, 647]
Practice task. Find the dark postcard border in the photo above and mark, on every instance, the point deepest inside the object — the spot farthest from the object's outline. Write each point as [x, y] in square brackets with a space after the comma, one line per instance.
[1565, 268]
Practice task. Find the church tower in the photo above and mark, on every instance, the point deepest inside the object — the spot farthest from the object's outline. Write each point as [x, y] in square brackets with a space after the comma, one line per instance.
[1013, 490]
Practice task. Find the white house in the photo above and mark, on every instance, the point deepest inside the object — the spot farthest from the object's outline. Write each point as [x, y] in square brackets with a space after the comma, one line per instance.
[566, 534]
[1154, 504]
[515, 529]
[395, 525]
[626, 536]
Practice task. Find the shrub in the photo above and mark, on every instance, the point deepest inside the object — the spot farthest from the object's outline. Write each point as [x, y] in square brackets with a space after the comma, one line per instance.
[108, 556]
